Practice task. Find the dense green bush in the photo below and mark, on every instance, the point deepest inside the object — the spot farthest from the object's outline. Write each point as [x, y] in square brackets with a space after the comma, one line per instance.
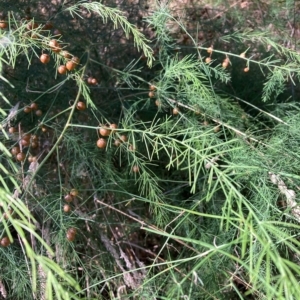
[162, 163]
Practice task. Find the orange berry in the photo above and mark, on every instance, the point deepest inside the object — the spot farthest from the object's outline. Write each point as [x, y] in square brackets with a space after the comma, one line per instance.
[74, 192]
[210, 49]
[70, 237]
[81, 105]
[225, 64]
[69, 198]
[65, 54]
[26, 136]
[12, 129]
[217, 128]
[67, 208]
[45, 58]
[5, 242]
[24, 143]
[123, 138]
[75, 60]
[104, 131]
[21, 156]
[176, 111]
[151, 94]
[131, 148]
[101, 143]
[62, 69]
[3, 24]
[70, 65]
[33, 106]
[117, 142]
[72, 230]
[135, 169]
[207, 60]
[27, 109]
[113, 127]
[15, 150]
[39, 113]
[54, 45]
[34, 144]
[94, 81]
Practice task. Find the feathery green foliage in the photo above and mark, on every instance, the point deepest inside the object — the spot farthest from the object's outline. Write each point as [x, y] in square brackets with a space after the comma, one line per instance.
[193, 195]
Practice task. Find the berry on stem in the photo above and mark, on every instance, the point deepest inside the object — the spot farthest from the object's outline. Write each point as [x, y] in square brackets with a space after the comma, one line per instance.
[67, 208]
[21, 156]
[135, 169]
[33, 106]
[15, 150]
[70, 237]
[152, 87]
[104, 131]
[123, 138]
[24, 143]
[12, 129]
[66, 54]
[94, 81]
[157, 103]
[76, 60]
[45, 58]
[39, 113]
[62, 69]
[113, 127]
[81, 105]
[70, 65]
[176, 111]
[69, 198]
[117, 142]
[207, 60]
[74, 192]
[55, 46]
[210, 49]
[101, 143]
[27, 109]
[151, 94]
[5, 242]
[3, 24]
